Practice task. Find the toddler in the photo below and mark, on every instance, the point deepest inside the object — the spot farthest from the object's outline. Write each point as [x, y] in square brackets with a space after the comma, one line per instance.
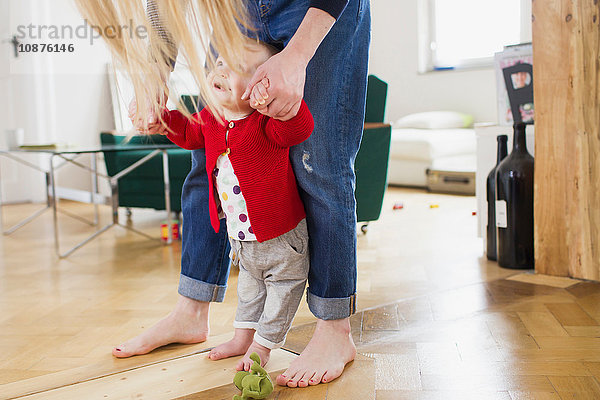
[252, 185]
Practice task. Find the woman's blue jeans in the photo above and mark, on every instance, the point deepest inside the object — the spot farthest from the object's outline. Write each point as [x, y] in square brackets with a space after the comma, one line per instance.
[335, 92]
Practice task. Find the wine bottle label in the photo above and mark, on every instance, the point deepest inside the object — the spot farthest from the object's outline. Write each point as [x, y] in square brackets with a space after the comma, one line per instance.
[501, 220]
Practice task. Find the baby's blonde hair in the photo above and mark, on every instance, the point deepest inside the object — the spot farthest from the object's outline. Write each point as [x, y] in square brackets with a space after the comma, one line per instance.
[184, 24]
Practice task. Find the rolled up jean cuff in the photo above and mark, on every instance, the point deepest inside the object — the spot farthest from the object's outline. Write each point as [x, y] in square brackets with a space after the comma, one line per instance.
[267, 343]
[201, 291]
[330, 308]
[245, 325]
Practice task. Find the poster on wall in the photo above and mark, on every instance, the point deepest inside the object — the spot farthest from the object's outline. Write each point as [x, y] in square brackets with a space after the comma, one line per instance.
[514, 83]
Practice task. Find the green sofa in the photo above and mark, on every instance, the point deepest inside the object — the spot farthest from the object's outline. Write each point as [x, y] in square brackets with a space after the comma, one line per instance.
[143, 187]
[371, 162]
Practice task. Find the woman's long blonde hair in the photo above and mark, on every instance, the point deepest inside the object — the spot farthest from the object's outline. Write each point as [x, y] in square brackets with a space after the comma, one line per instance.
[187, 25]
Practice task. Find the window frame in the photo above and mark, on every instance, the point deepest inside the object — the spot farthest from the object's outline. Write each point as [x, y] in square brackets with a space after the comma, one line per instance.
[426, 34]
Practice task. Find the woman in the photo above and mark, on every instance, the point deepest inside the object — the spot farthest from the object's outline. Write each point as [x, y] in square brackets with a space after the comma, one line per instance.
[324, 60]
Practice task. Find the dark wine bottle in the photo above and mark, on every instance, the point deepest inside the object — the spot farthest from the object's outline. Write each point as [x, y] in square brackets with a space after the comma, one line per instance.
[514, 205]
[491, 199]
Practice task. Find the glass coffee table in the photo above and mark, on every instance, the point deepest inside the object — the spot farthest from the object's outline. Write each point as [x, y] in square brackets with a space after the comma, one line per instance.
[69, 156]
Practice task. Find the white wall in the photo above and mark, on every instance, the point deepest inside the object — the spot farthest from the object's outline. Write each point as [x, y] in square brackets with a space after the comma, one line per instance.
[394, 58]
[58, 97]
[79, 96]
[82, 104]
[71, 90]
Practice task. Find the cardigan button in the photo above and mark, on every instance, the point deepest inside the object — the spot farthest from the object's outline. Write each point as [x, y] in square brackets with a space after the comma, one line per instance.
[231, 125]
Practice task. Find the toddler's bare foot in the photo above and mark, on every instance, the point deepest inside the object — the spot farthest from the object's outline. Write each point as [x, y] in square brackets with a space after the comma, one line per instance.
[187, 323]
[242, 339]
[245, 363]
[325, 356]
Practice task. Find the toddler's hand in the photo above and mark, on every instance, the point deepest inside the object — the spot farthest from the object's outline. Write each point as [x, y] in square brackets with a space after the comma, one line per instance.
[259, 95]
[150, 127]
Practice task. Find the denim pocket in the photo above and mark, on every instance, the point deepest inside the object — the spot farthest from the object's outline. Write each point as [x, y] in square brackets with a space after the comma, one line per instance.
[361, 7]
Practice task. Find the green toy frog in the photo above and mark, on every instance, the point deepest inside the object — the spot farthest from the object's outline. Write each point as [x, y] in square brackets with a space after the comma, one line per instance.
[254, 384]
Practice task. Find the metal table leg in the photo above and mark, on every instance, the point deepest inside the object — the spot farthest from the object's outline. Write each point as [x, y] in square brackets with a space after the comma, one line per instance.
[33, 216]
[167, 184]
[54, 205]
[52, 197]
[95, 191]
[54, 202]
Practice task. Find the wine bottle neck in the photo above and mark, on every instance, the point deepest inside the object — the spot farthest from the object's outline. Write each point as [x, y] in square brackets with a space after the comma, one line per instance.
[520, 139]
[502, 150]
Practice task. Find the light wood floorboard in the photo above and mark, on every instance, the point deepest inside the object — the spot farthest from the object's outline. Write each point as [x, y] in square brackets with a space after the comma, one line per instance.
[436, 320]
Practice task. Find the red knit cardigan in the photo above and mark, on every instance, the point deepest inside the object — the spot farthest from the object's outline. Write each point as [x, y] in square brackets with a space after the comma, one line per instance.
[259, 152]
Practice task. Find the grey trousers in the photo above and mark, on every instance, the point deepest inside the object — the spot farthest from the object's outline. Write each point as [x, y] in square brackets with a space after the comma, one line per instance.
[270, 283]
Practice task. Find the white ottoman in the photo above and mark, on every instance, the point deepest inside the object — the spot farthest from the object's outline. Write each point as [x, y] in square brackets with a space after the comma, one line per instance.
[414, 151]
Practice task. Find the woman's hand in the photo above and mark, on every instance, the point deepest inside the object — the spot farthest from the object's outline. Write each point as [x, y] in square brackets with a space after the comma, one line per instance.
[152, 126]
[279, 84]
[286, 71]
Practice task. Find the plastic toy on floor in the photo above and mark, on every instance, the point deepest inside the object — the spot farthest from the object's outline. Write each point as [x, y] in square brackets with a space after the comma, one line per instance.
[254, 384]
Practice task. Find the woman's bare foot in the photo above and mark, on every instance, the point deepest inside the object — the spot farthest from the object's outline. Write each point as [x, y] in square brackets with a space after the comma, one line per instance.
[242, 339]
[245, 363]
[324, 358]
[187, 323]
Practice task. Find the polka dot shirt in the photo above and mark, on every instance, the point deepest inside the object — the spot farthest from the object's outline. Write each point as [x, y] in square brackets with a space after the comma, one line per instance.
[232, 203]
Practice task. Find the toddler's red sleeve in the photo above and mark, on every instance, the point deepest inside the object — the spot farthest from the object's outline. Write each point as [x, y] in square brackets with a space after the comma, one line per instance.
[183, 132]
[293, 131]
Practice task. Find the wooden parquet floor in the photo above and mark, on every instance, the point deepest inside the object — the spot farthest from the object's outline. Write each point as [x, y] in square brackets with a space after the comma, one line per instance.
[437, 320]
[526, 337]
